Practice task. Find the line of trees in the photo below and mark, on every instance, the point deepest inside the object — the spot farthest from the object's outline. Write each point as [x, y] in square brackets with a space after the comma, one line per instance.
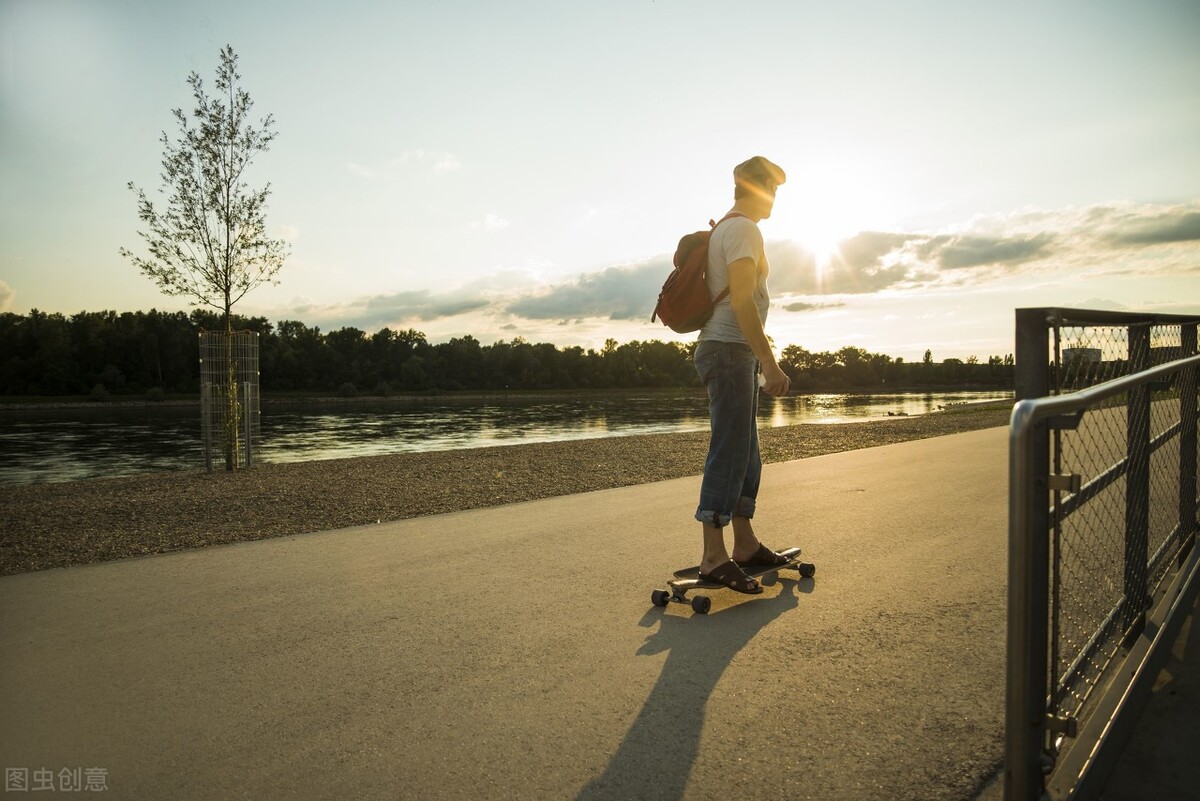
[852, 368]
[105, 354]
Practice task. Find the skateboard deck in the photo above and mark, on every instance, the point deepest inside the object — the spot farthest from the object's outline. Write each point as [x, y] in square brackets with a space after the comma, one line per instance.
[689, 579]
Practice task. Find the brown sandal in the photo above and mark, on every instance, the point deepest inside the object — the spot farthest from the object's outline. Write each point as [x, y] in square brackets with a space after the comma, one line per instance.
[763, 557]
[731, 576]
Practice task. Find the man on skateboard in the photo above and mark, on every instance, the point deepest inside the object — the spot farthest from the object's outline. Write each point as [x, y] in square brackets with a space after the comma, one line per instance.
[733, 347]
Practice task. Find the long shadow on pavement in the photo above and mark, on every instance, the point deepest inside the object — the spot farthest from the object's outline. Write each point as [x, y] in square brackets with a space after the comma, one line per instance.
[656, 757]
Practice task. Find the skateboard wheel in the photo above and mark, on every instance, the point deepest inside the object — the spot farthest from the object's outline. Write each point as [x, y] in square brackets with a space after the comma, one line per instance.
[660, 597]
[807, 569]
[769, 579]
[701, 605]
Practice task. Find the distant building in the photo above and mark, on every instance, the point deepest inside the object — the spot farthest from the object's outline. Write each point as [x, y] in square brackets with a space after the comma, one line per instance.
[1086, 355]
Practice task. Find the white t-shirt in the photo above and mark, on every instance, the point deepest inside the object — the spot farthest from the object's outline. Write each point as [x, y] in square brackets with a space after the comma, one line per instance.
[733, 239]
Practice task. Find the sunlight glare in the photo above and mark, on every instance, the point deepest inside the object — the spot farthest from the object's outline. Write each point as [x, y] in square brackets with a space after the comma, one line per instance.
[830, 203]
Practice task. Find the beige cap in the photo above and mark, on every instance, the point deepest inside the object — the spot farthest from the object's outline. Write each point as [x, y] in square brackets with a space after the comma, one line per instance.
[759, 171]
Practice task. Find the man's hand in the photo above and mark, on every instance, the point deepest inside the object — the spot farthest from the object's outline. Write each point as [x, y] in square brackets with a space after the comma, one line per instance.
[777, 382]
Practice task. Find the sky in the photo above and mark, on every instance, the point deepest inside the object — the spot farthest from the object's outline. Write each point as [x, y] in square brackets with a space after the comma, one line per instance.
[525, 169]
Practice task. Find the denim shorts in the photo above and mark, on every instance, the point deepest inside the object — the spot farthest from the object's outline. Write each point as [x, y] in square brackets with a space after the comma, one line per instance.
[733, 468]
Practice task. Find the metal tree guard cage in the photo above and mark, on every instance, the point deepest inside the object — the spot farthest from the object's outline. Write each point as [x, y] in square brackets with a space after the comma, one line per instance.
[229, 399]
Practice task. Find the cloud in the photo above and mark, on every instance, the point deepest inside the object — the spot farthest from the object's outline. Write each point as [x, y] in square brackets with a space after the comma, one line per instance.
[1175, 225]
[1170, 307]
[377, 311]
[616, 293]
[1108, 238]
[866, 263]
[435, 161]
[446, 162]
[490, 222]
[1103, 304]
[866, 250]
[806, 307]
[983, 250]
[6, 297]
[1052, 246]
[288, 233]
[423, 305]
[412, 308]
[958, 252]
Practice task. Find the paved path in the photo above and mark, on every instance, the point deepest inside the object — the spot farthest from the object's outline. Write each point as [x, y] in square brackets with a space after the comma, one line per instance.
[375, 663]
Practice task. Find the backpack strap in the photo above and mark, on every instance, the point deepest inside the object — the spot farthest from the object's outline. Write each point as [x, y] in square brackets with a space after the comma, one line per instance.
[728, 216]
[720, 297]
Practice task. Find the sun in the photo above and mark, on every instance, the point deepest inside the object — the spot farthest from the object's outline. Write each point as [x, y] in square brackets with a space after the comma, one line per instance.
[824, 215]
[824, 242]
[820, 228]
[826, 204]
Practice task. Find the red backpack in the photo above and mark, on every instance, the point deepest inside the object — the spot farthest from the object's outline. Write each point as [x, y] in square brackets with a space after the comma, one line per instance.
[684, 304]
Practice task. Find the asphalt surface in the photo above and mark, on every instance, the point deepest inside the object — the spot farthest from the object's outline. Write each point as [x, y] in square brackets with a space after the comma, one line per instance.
[513, 652]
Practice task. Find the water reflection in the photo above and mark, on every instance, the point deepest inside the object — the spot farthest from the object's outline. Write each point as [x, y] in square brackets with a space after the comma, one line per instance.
[298, 434]
[69, 444]
[97, 442]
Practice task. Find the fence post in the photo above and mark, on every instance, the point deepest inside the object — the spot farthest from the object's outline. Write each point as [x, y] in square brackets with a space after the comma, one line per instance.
[1187, 444]
[1032, 374]
[1025, 710]
[1137, 486]
[1028, 569]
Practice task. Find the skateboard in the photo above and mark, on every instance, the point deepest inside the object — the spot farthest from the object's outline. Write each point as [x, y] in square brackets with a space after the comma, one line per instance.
[689, 579]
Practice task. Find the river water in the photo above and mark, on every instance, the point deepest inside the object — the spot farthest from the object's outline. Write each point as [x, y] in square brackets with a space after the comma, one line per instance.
[51, 445]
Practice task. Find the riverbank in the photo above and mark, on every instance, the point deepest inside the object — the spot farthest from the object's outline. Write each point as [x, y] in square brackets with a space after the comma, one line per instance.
[45, 526]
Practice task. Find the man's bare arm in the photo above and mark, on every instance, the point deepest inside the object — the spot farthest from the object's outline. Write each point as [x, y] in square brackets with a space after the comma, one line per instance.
[743, 278]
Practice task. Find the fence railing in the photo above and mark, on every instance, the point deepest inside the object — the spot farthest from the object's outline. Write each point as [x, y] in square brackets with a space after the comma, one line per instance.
[1102, 527]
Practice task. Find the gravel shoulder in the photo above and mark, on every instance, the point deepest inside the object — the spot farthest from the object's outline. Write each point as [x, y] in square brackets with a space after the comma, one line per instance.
[44, 526]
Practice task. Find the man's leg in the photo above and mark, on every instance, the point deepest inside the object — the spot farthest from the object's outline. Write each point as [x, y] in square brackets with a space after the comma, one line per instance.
[715, 553]
[745, 542]
[715, 556]
[729, 375]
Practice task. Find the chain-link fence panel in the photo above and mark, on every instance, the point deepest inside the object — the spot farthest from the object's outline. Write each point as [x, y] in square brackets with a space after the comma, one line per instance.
[1119, 473]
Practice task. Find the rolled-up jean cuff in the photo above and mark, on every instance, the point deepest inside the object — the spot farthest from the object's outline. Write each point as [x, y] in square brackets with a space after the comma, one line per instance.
[745, 508]
[711, 518]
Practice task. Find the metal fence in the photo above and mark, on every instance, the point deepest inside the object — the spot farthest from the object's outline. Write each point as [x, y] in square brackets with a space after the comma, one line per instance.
[1102, 526]
[230, 420]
